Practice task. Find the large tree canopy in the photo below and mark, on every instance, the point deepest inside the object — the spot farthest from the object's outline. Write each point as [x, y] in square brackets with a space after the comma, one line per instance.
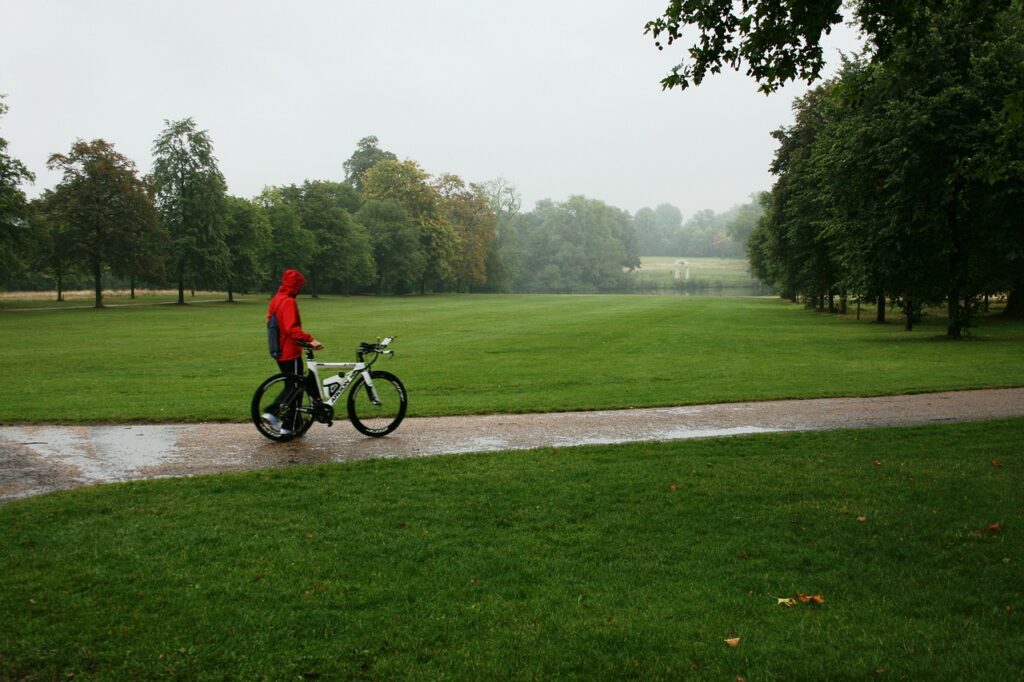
[778, 41]
[190, 195]
[104, 205]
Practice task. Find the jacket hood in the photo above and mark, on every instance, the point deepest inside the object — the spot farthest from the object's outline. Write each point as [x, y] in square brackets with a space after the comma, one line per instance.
[291, 282]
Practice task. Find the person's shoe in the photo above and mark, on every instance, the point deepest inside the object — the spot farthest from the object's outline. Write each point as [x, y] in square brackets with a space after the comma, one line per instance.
[284, 432]
[273, 422]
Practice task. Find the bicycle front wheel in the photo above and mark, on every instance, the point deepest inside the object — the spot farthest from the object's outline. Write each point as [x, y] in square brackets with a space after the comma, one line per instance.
[282, 408]
[380, 414]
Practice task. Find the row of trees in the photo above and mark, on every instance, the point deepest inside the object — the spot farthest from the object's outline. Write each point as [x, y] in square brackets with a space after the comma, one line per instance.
[389, 227]
[662, 232]
[901, 177]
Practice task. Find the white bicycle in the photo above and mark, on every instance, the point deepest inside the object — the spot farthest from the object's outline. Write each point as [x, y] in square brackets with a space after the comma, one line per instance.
[286, 405]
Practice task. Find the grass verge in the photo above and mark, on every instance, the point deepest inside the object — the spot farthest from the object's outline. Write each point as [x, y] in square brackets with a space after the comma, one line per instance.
[592, 562]
[487, 354]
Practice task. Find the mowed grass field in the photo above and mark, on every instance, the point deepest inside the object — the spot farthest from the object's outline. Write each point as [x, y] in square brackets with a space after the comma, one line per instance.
[487, 354]
[620, 562]
[659, 271]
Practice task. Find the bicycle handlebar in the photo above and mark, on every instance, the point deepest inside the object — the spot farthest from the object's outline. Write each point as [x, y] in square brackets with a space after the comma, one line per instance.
[365, 347]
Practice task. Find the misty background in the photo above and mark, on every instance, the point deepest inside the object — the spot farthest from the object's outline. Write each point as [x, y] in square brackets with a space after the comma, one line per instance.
[559, 98]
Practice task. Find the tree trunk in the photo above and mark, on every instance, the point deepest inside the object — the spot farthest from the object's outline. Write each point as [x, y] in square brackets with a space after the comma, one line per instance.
[60, 288]
[957, 264]
[231, 294]
[831, 302]
[98, 282]
[909, 311]
[133, 286]
[880, 310]
[181, 291]
[955, 314]
[1015, 299]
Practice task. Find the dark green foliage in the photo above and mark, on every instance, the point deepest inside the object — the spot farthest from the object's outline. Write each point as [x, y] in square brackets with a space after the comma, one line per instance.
[106, 213]
[190, 199]
[396, 245]
[579, 245]
[778, 41]
[248, 237]
[342, 260]
[887, 182]
[14, 211]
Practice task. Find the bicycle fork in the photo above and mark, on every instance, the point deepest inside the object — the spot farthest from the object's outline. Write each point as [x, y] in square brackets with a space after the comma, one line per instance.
[371, 392]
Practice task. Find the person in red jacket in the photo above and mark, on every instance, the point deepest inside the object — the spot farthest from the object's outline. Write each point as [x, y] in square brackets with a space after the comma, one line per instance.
[285, 308]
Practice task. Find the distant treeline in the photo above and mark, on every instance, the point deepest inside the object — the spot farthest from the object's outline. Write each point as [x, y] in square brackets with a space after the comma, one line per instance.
[389, 227]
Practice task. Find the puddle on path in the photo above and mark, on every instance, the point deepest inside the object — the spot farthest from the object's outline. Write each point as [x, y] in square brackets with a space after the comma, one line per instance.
[99, 454]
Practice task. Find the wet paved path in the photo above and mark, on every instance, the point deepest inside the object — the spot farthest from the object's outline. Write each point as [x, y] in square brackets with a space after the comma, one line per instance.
[39, 458]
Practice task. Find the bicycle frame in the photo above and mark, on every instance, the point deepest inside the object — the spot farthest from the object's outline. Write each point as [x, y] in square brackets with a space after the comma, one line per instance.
[360, 368]
[345, 379]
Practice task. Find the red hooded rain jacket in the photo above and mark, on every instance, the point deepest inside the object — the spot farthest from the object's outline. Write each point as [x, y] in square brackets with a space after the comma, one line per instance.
[289, 324]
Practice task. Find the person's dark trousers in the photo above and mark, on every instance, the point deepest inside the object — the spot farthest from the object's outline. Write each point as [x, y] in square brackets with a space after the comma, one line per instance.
[288, 367]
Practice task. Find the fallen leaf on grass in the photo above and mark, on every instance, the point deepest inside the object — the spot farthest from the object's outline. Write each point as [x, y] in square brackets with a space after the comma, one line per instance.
[862, 518]
[672, 486]
[733, 642]
[993, 528]
[785, 601]
[811, 598]
[997, 464]
[877, 463]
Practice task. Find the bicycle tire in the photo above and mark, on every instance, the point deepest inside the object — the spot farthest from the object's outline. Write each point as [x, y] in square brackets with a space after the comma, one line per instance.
[269, 392]
[377, 420]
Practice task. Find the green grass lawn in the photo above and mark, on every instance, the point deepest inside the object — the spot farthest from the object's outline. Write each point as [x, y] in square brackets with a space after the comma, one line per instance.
[589, 563]
[487, 354]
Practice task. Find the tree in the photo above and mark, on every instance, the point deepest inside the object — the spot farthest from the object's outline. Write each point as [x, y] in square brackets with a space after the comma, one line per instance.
[248, 235]
[366, 156]
[143, 257]
[468, 211]
[576, 246]
[780, 40]
[291, 245]
[103, 204]
[408, 184]
[397, 250]
[744, 220]
[52, 251]
[343, 260]
[14, 210]
[504, 254]
[895, 180]
[190, 198]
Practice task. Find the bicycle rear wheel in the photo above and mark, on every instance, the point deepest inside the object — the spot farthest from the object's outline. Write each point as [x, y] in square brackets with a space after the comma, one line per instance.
[381, 416]
[282, 407]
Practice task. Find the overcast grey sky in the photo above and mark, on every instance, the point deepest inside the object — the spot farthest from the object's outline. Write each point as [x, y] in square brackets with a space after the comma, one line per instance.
[560, 97]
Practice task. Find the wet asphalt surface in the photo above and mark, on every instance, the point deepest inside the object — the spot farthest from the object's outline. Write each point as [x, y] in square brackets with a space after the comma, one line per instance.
[36, 459]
